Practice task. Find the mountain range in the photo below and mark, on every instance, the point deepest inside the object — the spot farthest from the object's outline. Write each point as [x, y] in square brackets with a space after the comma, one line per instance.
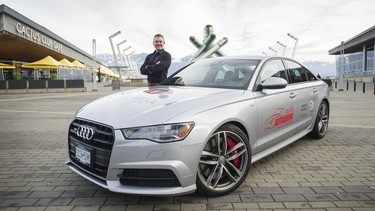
[324, 69]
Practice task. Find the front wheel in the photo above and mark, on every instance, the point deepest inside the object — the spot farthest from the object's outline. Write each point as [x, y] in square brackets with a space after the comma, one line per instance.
[321, 122]
[224, 163]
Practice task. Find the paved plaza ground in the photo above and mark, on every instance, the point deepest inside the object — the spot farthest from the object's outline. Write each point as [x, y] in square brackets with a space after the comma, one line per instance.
[334, 173]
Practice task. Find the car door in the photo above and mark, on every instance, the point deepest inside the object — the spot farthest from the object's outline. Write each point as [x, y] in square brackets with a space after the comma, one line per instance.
[306, 87]
[275, 108]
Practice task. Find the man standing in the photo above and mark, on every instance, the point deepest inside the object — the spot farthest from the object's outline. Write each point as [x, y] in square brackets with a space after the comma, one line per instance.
[157, 63]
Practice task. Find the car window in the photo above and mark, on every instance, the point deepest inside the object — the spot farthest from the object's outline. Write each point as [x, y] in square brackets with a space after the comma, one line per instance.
[296, 72]
[310, 76]
[273, 68]
[226, 73]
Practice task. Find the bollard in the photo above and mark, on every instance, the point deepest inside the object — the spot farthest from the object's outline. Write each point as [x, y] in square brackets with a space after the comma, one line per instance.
[355, 86]
[335, 84]
[364, 87]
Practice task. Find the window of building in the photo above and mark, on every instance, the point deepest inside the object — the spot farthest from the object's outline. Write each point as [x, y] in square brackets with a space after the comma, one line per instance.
[370, 60]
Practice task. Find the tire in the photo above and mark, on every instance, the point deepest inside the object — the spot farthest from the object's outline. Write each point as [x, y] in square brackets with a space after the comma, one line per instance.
[321, 122]
[223, 165]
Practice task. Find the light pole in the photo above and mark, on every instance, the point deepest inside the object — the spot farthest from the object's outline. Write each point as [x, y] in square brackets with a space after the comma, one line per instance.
[119, 53]
[342, 66]
[295, 44]
[273, 50]
[131, 58]
[126, 57]
[113, 51]
[283, 46]
[94, 65]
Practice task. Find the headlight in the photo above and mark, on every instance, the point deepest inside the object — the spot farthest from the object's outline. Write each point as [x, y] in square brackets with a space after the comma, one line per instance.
[160, 133]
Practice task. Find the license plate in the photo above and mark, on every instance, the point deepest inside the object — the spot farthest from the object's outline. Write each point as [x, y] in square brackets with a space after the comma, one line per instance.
[83, 155]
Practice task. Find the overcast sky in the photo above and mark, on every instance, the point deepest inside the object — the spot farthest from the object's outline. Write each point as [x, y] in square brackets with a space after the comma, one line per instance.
[251, 26]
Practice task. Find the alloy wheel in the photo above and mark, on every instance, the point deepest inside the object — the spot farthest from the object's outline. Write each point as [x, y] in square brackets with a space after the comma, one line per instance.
[323, 119]
[224, 162]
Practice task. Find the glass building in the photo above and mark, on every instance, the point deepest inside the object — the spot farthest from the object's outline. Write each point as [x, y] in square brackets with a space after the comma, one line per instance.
[355, 57]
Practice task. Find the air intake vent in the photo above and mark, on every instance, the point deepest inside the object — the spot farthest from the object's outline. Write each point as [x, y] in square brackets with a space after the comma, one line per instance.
[149, 178]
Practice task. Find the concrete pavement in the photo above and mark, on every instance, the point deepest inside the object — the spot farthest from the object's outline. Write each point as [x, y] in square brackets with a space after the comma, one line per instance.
[334, 173]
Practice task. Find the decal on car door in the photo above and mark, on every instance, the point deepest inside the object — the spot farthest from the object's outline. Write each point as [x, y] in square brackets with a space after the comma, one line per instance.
[281, 117]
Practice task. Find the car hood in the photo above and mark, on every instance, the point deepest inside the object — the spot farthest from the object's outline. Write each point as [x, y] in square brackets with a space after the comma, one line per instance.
[154, 105]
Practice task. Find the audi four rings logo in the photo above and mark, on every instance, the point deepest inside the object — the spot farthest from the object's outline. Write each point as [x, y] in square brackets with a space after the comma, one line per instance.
[85, 132]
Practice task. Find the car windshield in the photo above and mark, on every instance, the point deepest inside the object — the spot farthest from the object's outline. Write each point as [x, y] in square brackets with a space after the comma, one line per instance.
[223, 73]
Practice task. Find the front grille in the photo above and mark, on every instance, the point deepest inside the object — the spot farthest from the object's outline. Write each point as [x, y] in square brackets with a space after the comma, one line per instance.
[100, 146]
[149, 178]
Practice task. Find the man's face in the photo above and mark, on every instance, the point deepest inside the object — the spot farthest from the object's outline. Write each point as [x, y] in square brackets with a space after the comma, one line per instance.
[159, 43]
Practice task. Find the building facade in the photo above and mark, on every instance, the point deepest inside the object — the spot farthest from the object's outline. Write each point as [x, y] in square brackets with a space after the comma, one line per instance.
[355, 57]
[23, 41]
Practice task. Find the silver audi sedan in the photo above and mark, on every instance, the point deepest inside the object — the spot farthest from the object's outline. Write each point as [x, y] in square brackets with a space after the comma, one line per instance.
[201, 129]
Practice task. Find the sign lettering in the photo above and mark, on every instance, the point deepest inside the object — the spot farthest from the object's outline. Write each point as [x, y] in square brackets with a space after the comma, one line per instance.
[38, 37]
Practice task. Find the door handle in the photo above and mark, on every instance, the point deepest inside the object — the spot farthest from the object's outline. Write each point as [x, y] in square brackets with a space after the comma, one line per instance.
[315, 90]
[292, 95]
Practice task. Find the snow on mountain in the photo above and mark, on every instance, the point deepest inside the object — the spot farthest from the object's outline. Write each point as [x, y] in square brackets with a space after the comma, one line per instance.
[324, 69]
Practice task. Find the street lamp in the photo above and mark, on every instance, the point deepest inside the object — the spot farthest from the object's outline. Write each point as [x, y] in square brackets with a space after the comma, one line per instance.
[126, 57]
[132, 61]
[273, 50]
[283, 46]
[119, 53]
[342, 66]
[295, 44]
[94, 65]
[113, 51]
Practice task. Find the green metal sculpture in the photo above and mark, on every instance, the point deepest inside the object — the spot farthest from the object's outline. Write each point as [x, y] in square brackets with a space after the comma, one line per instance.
[207, 49]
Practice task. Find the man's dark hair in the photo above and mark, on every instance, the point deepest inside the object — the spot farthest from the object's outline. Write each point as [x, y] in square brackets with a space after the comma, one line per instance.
[158, 35]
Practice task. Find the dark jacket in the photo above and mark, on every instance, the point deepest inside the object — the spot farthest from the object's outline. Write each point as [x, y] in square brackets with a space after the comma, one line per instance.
[156, 66]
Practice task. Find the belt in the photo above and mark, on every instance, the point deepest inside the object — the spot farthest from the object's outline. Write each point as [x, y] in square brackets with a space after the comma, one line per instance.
[153, 84]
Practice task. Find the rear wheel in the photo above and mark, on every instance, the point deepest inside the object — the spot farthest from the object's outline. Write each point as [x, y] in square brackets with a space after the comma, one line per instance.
[224, 162]
[321, 122]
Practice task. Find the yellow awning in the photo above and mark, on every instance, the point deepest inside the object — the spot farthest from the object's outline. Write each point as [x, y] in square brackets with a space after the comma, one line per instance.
[67, 63]
[78, 64]
[46, 63]
[106, 71]
[39, 67]
[6, 66]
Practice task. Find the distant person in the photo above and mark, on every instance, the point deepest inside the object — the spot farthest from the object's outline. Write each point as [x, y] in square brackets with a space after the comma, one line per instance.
[318, 76]
[157, 63]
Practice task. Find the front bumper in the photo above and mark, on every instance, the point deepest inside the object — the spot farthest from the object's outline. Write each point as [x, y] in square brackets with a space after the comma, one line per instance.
[152, 160]
[116, 186]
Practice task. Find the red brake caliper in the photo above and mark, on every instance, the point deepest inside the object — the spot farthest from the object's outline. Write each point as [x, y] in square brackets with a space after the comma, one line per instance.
[230, 145]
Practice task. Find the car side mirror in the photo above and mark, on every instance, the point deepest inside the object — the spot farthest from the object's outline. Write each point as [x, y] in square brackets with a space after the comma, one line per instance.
[274, 83]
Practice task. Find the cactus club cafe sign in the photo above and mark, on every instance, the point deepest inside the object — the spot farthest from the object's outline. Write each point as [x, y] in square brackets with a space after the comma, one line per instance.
[37, 37]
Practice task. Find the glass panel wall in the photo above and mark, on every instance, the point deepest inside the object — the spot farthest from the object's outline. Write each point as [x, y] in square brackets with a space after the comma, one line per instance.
[352, 64]
[370, 61]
